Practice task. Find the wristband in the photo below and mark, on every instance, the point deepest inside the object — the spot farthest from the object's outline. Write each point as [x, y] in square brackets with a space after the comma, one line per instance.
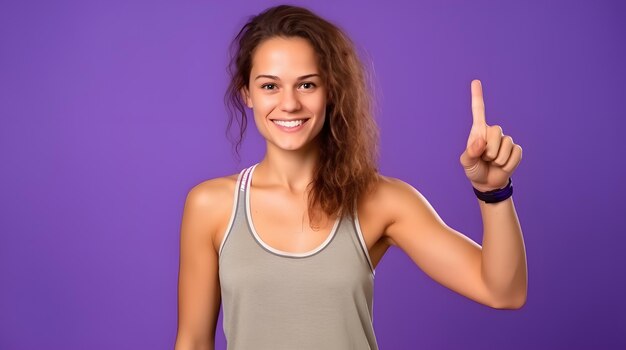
[495, 196]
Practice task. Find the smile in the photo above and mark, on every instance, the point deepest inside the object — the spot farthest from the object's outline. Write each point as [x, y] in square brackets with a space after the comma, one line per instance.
[290, 125]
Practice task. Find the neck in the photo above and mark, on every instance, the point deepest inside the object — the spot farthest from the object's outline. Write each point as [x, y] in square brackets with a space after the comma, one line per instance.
[291, 170]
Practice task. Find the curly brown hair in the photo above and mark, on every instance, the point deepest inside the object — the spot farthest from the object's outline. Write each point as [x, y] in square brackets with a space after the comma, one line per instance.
[347, 164]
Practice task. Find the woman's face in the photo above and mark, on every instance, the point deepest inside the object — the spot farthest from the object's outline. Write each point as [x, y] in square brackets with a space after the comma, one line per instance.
[286, 88]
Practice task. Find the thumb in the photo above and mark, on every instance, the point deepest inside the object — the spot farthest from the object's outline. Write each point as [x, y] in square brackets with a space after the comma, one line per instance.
[472, 153]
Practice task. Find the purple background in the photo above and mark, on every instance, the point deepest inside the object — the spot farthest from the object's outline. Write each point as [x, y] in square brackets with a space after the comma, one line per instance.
[111, 111]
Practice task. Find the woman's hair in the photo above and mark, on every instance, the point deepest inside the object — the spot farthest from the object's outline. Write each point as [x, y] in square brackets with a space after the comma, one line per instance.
[346, 168]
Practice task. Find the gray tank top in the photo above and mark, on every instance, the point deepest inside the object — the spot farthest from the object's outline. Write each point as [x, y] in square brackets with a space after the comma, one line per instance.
[277, 300]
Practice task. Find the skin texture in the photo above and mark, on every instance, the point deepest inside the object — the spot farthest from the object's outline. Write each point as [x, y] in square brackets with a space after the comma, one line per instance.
[394, 214]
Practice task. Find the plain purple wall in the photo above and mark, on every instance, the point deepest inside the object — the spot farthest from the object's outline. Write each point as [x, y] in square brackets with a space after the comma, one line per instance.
[112, 110]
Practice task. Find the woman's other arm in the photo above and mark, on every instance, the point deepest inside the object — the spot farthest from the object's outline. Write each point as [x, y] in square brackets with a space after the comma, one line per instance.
[199, 294]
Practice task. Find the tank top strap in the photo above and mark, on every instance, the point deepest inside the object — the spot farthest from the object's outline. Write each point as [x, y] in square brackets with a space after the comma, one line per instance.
[238, 204]
[246, 177]
[361, 238]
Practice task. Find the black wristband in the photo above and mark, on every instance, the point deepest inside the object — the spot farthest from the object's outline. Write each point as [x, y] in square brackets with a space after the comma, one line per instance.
[495, 196]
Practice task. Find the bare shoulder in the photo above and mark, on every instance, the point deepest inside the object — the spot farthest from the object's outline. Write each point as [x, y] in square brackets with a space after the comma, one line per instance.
[213, 190]
[212, 201]
[390, 192]
[391, 188]
[393, 197]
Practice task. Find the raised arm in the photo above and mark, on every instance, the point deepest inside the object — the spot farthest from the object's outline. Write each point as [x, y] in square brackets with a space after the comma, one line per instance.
[446, 255]
[494, 274]
[199, 294]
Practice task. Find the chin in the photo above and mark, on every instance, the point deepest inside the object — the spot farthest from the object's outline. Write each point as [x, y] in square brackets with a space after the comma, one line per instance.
[293, 146]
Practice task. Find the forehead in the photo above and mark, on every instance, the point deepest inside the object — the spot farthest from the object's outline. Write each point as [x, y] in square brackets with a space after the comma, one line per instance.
[286, 57]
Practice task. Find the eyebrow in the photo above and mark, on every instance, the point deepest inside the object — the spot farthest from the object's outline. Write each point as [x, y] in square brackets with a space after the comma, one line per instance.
[277, 78]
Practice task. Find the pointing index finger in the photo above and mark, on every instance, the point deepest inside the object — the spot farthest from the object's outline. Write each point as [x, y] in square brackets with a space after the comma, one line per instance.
[478, 105]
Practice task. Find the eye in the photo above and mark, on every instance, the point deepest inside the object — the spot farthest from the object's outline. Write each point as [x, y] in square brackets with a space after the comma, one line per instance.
[268, 85]
[311, 85]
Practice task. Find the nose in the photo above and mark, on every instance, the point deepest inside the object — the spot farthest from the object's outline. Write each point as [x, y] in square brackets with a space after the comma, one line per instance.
[289, 101]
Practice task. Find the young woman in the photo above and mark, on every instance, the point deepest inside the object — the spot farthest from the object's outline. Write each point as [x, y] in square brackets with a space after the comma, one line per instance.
[290, 244]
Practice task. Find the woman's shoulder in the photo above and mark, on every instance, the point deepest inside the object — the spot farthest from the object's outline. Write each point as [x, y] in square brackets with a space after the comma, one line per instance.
[214, 199]
[390, 192]
[215, 187]
[389, 187]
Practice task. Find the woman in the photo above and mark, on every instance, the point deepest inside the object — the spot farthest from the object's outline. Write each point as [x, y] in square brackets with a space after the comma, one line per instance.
[290, 245]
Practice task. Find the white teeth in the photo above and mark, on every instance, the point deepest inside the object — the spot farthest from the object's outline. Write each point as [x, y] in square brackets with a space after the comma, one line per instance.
[289, 124]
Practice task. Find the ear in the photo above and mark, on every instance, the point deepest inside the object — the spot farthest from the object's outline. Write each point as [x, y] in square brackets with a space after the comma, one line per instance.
[245, 96]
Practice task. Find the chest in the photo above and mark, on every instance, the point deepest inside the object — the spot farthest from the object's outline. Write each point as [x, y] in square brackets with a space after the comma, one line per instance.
[283, 223]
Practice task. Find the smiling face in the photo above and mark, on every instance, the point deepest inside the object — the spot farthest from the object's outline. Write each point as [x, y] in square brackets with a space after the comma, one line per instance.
[286, 93]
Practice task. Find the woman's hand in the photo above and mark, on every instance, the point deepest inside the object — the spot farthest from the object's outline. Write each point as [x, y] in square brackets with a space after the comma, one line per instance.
[490, 156]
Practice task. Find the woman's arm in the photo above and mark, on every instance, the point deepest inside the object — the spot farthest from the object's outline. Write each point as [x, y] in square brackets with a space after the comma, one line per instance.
[495, 276]
[199, 295]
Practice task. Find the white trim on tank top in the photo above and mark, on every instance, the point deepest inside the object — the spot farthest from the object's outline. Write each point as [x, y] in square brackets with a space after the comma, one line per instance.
[233, 212]
[278, 251]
